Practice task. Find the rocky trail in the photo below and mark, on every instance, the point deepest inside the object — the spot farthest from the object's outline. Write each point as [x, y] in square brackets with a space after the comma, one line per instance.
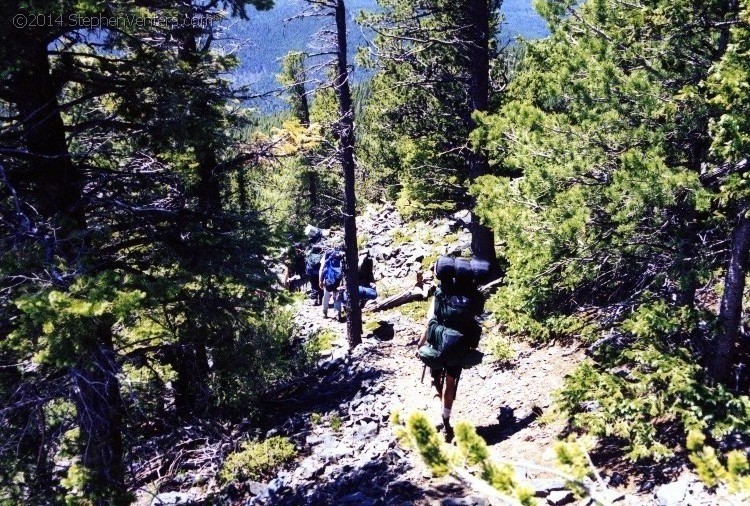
[339, 420]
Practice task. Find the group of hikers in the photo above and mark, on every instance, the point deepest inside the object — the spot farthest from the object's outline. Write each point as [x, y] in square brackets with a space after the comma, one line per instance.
[325, 267]
[452, 330]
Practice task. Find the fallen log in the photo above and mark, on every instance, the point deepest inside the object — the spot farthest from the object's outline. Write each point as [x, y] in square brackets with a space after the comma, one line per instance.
[410, 295]
[489, 287]
[420, 291]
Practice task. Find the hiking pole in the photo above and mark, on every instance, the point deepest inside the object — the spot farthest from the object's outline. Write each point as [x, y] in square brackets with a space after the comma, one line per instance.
[424, 369]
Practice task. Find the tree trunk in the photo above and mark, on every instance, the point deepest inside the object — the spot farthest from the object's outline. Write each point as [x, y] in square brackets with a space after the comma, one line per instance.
[346, 155]
[420, 291]
[190, 363]
[730, 314]
[99, 407]
[53, 181]
[687, 277]
[55, 184]
[208, 190]
[482, 237]
[302, 111]
[192, 367]
[312, 188]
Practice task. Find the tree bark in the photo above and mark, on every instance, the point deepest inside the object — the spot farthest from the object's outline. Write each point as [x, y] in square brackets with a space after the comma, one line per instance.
[52, 180]
[346, 155]
[191, 367]
[100, 414]
[482, 237]
[687, 277]
[302, 111]
[54, 184]
[730, 314]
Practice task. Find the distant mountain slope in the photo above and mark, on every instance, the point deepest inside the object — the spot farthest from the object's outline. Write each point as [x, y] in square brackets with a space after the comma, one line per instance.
[267, 36]
[521, 20]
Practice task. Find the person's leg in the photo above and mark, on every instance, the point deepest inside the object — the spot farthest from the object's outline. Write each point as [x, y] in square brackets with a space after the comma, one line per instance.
[326, 298]
[437, 381]
[338, 302]
[449, 395]
[315, 288]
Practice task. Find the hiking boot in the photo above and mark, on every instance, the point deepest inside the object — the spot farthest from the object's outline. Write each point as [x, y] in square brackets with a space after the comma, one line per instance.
[448, 430]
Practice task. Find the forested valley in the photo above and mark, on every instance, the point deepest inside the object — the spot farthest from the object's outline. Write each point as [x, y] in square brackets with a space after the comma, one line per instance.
[159, 199]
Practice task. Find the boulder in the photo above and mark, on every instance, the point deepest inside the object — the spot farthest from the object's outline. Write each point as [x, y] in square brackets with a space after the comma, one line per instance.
[171, 498]
[367, 430]
[673, 494]
[255, 487]
[560, 497]
[309, 469]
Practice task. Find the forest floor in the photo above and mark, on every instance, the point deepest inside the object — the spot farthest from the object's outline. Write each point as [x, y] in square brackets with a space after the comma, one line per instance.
[339, 419]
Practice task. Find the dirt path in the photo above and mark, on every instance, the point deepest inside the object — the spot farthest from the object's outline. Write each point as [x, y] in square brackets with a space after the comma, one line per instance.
[360, 462]
[340, 420]
[349, 453]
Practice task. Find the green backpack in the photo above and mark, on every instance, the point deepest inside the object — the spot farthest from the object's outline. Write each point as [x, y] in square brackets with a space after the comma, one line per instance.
[452, 332]
[448, 348]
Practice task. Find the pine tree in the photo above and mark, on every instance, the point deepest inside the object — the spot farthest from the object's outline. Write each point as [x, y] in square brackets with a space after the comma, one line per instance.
[119, 231]
[434, 62]
[294, 76]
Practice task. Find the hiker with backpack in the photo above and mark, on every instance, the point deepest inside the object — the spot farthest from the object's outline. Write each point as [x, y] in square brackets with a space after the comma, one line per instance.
[312, 269]
[366, 277]
[330, 278]
[452, 328]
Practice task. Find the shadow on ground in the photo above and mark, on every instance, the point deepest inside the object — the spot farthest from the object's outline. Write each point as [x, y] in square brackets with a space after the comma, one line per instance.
[385, 331]
[379, 482]
[507, 426]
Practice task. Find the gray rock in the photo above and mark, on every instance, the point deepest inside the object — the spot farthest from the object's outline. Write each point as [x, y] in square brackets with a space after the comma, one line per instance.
[472, 500]
[171, 498]
[255, 487]
[309, 469]
[340, 354]
[335, 454]
[672, 494]
[313, 440]
[560, 497]
[457, 248]
[276, 485]
[367, 431]
[463, 215]
[611, 496]
[542, 487]
[358, 498]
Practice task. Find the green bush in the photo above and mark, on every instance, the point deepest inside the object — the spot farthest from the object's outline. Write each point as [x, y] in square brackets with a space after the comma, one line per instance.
[638, 393]
[336, 422]
[321, 340]
[258, 358]
[257, 459]
[499, 346]
[712, 471]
